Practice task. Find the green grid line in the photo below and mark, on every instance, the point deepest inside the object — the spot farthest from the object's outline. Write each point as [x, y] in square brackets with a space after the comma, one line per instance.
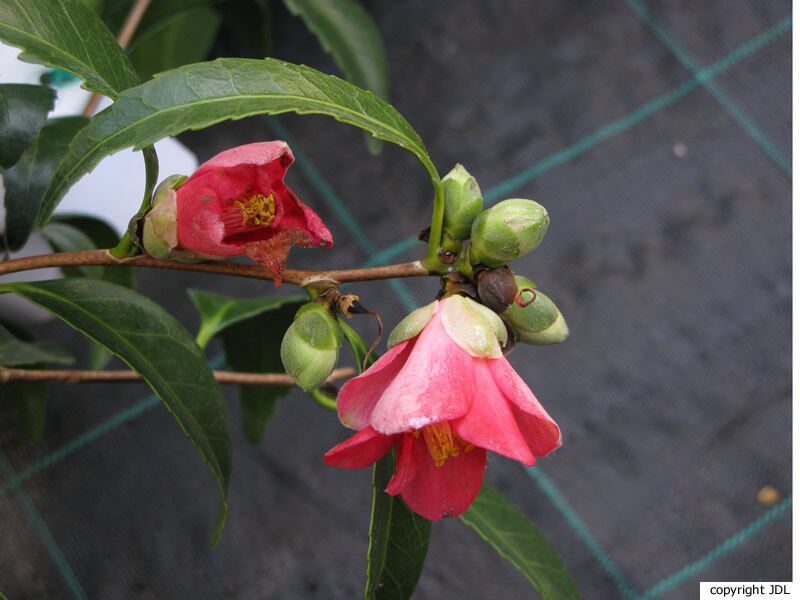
[583, 532]
[721, 550]
[330, 196]
[614, 128]
[736, 111]
[50, 544]
[681, 575]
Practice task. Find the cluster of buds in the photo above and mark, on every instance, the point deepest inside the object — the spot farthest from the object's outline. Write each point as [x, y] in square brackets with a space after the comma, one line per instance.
[487, 241]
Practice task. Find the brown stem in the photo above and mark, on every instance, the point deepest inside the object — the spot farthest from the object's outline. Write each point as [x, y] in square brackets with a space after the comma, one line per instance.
[297, 277]
[124, 38]
[76, 376]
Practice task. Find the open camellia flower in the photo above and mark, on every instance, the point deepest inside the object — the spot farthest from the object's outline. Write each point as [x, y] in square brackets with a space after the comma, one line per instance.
[444, 394]
[235, 203]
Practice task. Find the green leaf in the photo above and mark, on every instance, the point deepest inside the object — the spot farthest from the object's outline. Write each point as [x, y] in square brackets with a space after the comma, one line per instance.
[94, 233]
[67, 35]
[17, 353]
[218, 312]
[166, 47]
[199, 95]
[520, 542]
[358, 346]
[23, 110]
[28, 179]
[253, 346]
[30, 398]
[250, 22]
[251, 333]
[398, 541]
[347, 32]
[156, 346]
[67, 233]
[66, 238]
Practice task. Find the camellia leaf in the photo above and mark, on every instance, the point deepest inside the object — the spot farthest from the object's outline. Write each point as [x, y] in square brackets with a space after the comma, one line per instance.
[84, 232]
[28, 179]
[253, 346]
[398, 541]
[30, 398]
[251, 333]
[67, 35]
[218, 312]
[358, 346]
[198, 95]
[347, 32]
[68, 233]
[23, 110]
[15, 352]
[520, 542]
[157, 347]
[249, 21]
[166, 48]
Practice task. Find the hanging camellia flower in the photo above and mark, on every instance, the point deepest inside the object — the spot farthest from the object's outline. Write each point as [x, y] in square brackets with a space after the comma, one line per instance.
[235, 203]
[443, 394]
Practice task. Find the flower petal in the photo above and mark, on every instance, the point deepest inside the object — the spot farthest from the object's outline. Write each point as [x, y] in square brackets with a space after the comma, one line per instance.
[436, 492]
[358, 397]
[359, 451]
[490, 422]
[435, 384]
[276, 155]
[538, 428]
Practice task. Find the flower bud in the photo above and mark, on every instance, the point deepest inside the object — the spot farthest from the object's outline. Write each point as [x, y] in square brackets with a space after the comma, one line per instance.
[310, 346]
[497, 288]
[507, 230]
[533, 316]
[462, 202]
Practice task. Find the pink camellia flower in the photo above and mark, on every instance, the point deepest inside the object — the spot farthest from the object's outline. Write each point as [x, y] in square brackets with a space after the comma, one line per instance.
[237, 203]
[444, 394]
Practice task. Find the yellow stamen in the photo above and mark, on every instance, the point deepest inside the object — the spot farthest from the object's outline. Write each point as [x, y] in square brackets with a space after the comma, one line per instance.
[257, 210]
[443, 442]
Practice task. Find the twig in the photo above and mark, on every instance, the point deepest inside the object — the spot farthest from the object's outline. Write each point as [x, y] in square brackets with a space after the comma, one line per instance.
[124, 38]
[121, 376]
[297, 277]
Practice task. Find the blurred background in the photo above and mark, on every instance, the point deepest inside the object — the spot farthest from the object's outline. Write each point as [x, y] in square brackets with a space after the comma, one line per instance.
[658, 136]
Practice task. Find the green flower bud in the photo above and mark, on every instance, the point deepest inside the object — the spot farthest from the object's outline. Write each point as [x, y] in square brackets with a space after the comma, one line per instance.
[506, 231]
[310, 347]
[537, 322]
[462, 202]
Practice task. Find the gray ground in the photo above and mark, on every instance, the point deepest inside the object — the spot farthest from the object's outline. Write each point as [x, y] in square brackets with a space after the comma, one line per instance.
[668, 253]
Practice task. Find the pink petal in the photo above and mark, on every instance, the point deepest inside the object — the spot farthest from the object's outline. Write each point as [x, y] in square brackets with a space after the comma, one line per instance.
[359, 451]
[537, 427]
[358, 397]
[406, 465]
[271, 153]
[435, 384]
[436, 492]
[490, 422]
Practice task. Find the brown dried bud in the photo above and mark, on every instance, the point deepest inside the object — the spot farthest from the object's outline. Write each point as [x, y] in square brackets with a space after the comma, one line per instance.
[497, 288]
